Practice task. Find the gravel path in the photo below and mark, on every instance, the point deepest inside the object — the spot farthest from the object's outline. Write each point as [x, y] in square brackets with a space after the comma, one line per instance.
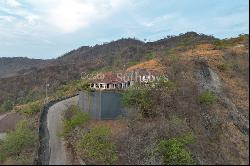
[55, 125]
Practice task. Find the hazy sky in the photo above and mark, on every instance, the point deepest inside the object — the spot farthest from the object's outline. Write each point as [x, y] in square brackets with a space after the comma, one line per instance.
[49, 28]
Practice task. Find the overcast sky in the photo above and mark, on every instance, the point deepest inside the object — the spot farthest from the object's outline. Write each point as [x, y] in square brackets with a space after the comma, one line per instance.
[48, 28]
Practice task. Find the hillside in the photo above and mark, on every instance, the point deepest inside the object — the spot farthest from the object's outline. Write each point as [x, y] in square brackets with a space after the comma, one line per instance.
[124, 49]
[207, 94]
[18, 65]
[32, 74]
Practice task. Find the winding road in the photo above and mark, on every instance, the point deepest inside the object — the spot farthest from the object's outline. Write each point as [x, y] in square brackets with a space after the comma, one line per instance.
[55, 126]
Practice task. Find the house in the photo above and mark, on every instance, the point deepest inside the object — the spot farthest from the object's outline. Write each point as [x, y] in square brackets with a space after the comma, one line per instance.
[109, 81]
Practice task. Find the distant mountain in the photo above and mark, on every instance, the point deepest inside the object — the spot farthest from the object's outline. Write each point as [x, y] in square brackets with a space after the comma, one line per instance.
[115, 53]
[17, 65]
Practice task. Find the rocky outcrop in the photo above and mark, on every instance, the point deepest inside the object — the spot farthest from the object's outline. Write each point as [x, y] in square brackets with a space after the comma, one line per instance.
[209, 80]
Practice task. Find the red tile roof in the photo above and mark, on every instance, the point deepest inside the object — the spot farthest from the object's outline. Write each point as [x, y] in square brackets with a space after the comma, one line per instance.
[108, 78]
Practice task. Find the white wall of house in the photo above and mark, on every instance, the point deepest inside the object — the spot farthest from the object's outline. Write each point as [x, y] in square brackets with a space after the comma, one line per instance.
[102, 86]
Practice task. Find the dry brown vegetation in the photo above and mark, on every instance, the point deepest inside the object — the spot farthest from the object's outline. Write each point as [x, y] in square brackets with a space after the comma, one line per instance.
[203, 50]
[192, 62]
[151, 65]
[220, 129]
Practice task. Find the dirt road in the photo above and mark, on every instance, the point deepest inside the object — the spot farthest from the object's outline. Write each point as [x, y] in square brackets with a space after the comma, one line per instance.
[55, 125]
[8, 121]
[3, 116]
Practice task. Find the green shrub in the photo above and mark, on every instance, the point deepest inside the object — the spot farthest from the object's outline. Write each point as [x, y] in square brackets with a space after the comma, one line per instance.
[97, 145]
[23, 137]
[228, 65]
[225, 43]
[186, 138]
[138, 97]
[150, 56]
[172, 55]
[174, 151]
[225, 66]
[77, 118]
[31, 96]
[174, 58]
[7, 106]
[32, 108]
[221, 43]
[163, 83]
[132, 63]
[72, 88]
[2, 153]
[207, 97]
[1, 109]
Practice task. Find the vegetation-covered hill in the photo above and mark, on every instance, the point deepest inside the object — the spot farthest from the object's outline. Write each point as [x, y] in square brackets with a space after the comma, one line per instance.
[27, 76]
[15, 66]
[207, 95]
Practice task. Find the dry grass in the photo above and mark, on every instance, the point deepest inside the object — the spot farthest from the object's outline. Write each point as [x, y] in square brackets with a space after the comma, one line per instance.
[151, 65]
[203, 50]
[239, 94]
[207, 51]
[118, 128]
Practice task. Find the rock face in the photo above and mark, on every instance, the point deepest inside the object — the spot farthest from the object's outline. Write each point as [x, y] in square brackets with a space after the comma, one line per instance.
[209, 80]
[232, 117]
[206, 77]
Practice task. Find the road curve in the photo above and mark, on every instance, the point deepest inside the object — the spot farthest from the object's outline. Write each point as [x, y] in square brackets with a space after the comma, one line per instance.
[55, 125]
[4, 115]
